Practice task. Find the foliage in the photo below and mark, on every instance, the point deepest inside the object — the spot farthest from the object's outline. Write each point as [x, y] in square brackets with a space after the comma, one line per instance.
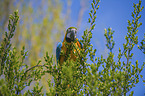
[41, 21]
[100, 77]
[15, 74]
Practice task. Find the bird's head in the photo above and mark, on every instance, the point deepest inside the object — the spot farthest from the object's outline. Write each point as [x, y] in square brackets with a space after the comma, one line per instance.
[71, 34]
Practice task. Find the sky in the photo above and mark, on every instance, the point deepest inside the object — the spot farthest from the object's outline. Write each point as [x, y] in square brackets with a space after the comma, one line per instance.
[114, 14]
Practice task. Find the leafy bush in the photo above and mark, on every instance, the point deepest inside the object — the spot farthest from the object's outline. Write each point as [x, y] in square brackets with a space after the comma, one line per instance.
[101, 77]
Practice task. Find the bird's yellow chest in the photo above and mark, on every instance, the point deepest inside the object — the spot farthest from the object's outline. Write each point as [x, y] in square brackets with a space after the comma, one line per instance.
[69, 49]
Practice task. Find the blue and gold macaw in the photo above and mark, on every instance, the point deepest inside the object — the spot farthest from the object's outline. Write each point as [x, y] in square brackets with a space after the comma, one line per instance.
[62, 50]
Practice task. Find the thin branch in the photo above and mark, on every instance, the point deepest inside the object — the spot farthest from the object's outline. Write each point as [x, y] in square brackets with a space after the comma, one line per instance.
[33, 68]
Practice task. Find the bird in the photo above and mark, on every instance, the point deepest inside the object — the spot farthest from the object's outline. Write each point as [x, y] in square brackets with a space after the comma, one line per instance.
[71, 45]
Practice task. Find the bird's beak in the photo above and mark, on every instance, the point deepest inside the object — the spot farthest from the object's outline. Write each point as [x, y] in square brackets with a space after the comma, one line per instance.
[72, 35]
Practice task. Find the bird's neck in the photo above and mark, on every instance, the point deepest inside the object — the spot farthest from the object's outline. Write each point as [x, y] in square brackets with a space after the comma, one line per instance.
[69, 41]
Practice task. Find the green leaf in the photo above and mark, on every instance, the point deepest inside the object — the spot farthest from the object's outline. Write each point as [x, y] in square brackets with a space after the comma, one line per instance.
[141, 76]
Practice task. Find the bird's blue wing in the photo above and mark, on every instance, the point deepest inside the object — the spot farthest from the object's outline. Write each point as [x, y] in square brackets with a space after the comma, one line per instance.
[58, 50]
